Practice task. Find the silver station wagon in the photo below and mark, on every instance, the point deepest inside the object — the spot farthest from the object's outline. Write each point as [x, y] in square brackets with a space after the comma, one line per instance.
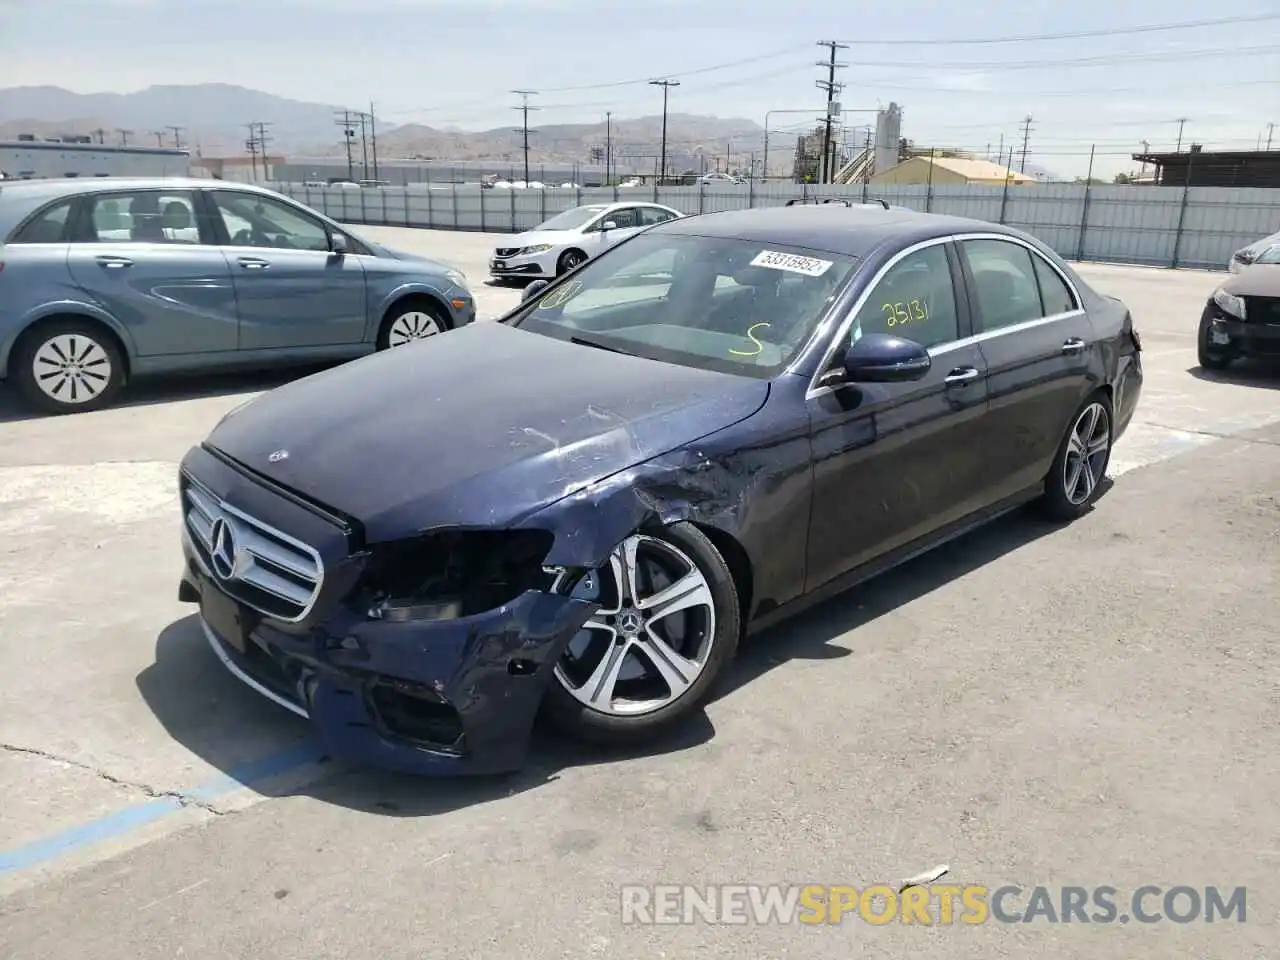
[102, 281]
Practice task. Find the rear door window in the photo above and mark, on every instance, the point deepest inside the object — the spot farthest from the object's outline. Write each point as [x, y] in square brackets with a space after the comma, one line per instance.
[144, 216]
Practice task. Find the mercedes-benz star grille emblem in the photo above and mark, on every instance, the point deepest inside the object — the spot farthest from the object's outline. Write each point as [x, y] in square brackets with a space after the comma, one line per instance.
[223, 554]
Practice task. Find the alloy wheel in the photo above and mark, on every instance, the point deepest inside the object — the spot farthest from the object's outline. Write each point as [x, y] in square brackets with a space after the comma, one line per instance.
[410, 326]
[1087, 450]
[71, 368]
[651, 638]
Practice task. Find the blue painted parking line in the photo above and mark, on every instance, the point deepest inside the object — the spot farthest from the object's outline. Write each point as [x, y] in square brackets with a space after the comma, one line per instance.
[125, 821]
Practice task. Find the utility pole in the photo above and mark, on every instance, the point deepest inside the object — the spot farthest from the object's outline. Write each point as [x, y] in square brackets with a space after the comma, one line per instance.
[1271, 128]
[364, 145]
[373, 140]
[608, 145]
[524, 109]
[124, 136]
[831, 88]
[666, 86]
[1026, 138]
[1182, 122]
[99, 133]
[262, 147]
[348, 135]
[252, 146]
[177, 136]
[159, 135]
[869, 164]
[1146, 148]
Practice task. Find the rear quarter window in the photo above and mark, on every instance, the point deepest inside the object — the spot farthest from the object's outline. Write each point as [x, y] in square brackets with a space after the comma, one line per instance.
[47, 226]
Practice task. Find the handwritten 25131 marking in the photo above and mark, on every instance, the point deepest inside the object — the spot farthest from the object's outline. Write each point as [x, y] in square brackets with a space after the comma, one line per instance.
[912, 311]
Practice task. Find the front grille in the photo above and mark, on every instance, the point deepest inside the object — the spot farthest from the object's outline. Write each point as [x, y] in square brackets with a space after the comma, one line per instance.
[507, 251]
[252, 561]
[1262, 309]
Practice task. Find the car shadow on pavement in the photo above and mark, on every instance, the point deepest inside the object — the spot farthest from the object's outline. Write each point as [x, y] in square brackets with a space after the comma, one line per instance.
[217, 718]
[1254, 372]
[151, 391]
[809, 635]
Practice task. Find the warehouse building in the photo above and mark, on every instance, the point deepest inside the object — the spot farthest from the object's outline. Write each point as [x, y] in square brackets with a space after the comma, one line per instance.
[950, 172]
[1198, 167]
[43, 159]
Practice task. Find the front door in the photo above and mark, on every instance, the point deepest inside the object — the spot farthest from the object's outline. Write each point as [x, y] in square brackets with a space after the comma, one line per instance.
[291, 290]
[892, 462]
[152, 263]
[1037, 342]
[626, 222]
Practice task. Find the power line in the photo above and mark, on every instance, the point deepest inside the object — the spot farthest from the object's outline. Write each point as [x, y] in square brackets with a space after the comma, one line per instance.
[666, 86]
[1077, 35]
[1097, 60]
[524, 109]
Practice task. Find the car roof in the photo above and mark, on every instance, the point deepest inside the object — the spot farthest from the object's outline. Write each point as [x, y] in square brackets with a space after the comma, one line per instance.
[849, 231]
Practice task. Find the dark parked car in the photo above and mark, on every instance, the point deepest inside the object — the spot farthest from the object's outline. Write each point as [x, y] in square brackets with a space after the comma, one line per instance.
[1242, 317]
[710, 426]
[102, 281]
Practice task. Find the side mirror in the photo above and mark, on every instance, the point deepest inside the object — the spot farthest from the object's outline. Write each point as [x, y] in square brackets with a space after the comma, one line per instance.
[608, 225]
[882, 358]
[337, 244]
[533, 289]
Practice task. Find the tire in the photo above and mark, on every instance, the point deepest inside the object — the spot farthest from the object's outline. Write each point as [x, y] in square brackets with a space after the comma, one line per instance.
[1069, 494]
[639, 706]
[410, 321]
[570, 260]
[1209, 358]
[68, 366]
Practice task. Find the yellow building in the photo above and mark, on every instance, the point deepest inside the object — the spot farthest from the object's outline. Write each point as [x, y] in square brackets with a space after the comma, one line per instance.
[950, 172]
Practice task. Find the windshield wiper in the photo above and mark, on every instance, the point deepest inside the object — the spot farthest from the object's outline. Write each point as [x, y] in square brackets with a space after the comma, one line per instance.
[599, 346]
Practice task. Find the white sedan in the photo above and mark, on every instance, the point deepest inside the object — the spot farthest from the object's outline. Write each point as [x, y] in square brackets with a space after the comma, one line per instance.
[572, 238]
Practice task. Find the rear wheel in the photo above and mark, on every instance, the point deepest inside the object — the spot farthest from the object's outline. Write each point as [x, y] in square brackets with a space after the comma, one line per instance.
[69, 366]
[1075, 479]
[668, 624]
[1211, 356]
[411, 321]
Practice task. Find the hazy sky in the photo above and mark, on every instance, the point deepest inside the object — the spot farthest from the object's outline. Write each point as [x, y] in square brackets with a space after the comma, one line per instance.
[443, 63]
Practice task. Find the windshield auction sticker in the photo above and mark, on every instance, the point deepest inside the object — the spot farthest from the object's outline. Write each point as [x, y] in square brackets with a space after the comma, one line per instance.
[776, 260]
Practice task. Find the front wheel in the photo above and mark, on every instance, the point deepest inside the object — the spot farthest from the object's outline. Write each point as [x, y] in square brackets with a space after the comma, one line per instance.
[69, 366]
[667, 626]
[416, 320]
[1075, 479]
[570, 260]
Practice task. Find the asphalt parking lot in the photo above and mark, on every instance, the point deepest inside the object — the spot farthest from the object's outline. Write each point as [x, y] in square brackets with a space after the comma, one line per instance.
[1092, 705]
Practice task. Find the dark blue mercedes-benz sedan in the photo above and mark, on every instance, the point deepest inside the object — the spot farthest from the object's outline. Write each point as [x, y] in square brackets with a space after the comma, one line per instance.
[584, 506]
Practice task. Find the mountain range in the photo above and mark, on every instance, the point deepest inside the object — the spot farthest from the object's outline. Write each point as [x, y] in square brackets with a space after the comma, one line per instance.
[213, 119]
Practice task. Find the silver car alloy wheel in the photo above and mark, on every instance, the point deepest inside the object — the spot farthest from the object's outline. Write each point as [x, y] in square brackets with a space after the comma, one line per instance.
[71, 368]
[655, 630]
[410, 326]
[1086, 459]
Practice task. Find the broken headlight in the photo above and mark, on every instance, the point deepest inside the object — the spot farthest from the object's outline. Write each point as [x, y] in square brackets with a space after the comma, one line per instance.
[456, 573]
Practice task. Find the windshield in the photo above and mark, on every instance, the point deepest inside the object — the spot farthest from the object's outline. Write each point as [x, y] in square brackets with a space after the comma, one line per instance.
[1269, 255]
[737, 306]
[573, 219]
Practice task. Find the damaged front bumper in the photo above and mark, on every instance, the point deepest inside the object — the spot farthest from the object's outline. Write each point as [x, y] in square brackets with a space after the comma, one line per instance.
[444, 698]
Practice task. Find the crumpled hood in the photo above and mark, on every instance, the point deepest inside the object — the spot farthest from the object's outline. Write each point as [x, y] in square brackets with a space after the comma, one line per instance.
[477, 426]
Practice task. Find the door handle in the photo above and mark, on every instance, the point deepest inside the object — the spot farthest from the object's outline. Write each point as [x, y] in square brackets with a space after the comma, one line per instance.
[961, 376]
[1073, 345]
[115, 263]
[253, 263]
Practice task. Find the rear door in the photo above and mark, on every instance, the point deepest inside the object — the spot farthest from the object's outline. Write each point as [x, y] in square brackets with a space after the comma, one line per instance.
[149, 259]
[292, 291]
[1038, 345]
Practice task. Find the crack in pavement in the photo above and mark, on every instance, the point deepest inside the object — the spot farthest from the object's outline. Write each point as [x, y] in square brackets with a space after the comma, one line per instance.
[1216, 435]
[150, 791]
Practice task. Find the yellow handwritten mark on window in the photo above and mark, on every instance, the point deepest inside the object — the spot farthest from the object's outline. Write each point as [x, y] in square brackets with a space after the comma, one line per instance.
[751, 335]
[560, 296]
[902, 313]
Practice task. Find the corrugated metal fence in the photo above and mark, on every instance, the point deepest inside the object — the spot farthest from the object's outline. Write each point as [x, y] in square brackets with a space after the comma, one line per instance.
[1159, 226]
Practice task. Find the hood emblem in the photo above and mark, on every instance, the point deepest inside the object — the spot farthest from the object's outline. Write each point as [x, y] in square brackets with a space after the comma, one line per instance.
[223, 552]
[278, 455]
